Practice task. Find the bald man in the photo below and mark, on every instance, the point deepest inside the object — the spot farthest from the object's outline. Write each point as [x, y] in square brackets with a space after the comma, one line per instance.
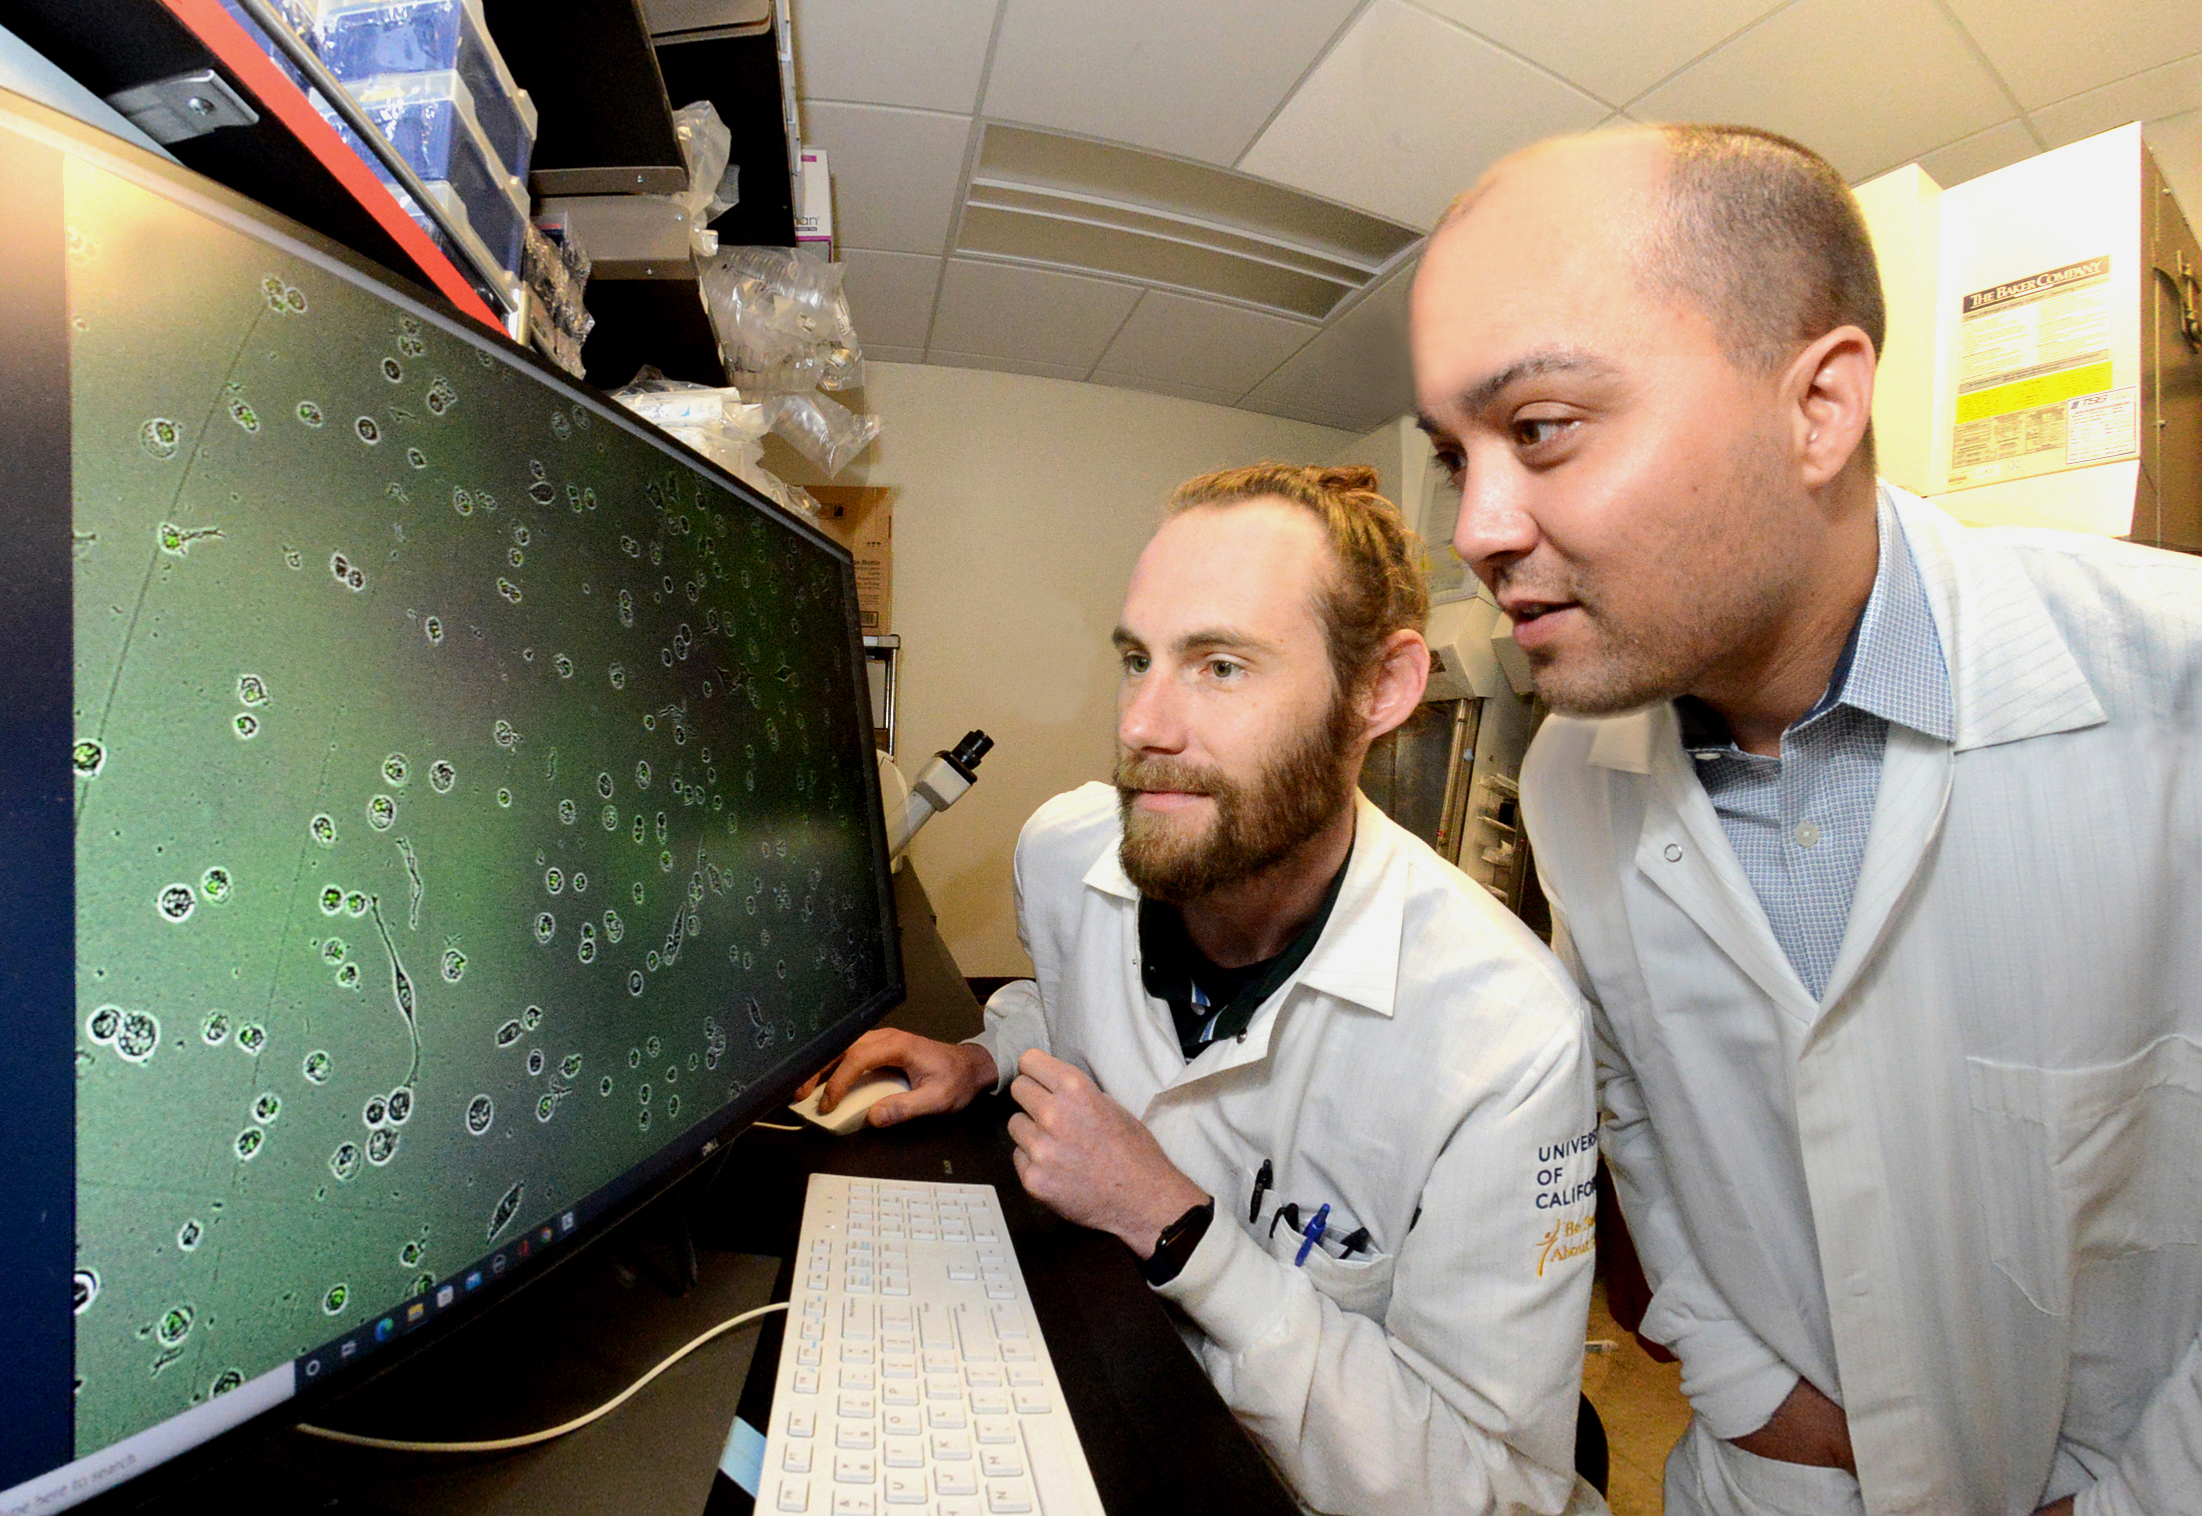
[1875, 840]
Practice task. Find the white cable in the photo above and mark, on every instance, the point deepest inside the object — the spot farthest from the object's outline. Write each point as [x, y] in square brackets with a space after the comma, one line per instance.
[774, 1126]
[529, 1439]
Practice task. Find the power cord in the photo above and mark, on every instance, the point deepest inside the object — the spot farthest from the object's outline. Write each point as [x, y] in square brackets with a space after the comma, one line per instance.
[530, 1439]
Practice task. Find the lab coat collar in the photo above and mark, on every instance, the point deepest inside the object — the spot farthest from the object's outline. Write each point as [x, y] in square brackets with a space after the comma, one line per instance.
[2011, 673]
[1357, 957]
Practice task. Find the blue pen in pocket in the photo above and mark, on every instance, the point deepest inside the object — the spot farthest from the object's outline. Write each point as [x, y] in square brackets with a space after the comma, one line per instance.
[1316, 1226]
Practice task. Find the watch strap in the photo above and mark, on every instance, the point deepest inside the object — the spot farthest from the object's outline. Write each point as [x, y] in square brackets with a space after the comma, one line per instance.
[1176, 1244]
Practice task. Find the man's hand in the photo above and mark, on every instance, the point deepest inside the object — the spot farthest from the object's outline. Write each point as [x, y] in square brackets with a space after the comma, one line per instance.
[944, 1076]
[1089, 1160]
[1807, 1428]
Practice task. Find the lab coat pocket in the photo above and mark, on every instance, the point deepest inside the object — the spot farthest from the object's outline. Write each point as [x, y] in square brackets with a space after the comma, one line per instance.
[2088, 1164]
[1362, 1285]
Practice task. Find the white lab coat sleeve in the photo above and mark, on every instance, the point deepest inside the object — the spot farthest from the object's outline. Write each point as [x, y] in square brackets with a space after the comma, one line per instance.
[1015, 1022]
[1463, 1397]
[1734, 1381]
[1016, 1017]
[2159, 1471]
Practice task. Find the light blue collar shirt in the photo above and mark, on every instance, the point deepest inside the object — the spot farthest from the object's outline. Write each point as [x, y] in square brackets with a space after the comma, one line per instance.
[1798, 822]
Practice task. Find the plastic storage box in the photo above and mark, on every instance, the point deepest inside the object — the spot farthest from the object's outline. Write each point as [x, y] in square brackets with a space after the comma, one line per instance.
[431, 119]
[361, 40]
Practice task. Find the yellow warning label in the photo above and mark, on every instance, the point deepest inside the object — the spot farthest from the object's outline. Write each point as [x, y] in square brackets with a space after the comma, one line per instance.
[2028, 394]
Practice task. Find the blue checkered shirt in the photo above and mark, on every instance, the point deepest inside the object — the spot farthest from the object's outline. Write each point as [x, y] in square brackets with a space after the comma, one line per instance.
[1798, 822]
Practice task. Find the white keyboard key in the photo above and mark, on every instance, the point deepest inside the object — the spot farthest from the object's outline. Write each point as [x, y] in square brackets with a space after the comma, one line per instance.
[794, 1495]
[1001, 1463]
[1008, 1322]
[1030, 1402]
[1000, 1292]
[855, 1406]
[942, 1360]
[804, 1381]
[858, 1436]
[989, 1403]
[1008, 1499]
[903, 1453]
[905, 1489]
[984, 1376]
[1017, 1352]
[990, 1430]
[963, 1272]
[945, 1416]
[953, 1481]
[802, 1423]
[796, 1460]
[1025, 1375]
[816, 1279]
[854, 1468]
[854, 1376]
[902, 1366]
[853, 1503]
[857, 1352]
[956, 1508]
[951, 1231]
[900, 1423]
[808, 1354]
[951, 1447]
[899, 1392]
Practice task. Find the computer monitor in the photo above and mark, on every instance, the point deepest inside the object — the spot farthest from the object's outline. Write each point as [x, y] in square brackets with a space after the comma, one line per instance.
[437, 809]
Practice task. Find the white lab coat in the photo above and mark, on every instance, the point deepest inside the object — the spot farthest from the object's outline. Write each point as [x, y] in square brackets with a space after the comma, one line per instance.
[1962, 1192]
[1430, 1054]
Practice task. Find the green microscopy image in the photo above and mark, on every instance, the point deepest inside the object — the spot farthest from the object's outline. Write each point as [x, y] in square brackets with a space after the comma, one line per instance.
[340, 981]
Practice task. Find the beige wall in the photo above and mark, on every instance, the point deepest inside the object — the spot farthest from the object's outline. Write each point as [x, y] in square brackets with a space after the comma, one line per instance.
[1021, 506]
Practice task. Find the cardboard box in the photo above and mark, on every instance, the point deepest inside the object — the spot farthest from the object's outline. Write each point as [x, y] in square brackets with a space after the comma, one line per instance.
[861, 519]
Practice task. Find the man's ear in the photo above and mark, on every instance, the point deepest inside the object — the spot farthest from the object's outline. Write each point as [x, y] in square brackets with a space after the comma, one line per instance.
[1831, 383]
[1402, 673]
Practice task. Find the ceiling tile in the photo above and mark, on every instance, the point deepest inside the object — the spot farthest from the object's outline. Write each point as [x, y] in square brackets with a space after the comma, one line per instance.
[1196, 80]
[1354, 374]
[1407, 111]
[891, 296]
[892, 354]
[1165, 387]
[1615, 49]
[1999, 146]
[888, 52]
[1203, 343]
[1871, 84]
[897, 174]
[995, 310]
[1010, 365]
[2046, 50]
[2172, 90]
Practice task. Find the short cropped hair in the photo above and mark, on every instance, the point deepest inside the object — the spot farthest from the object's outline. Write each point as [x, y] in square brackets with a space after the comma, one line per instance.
[1763, 236]
[1377, 586]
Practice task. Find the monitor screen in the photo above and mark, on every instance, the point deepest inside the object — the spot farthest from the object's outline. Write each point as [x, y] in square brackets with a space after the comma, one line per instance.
[469, 811]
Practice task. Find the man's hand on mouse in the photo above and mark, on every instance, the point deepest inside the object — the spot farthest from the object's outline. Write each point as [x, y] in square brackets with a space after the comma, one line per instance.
[1091, 1161]
[944, 1076]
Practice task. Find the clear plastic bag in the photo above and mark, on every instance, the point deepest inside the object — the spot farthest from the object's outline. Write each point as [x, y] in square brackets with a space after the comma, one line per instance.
[715, 422]
[706, 145]
[822, 429]
[782, 319]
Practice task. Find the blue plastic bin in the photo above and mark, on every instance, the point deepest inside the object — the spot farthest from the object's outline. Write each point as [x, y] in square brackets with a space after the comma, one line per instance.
[430, 119]
[371, 39]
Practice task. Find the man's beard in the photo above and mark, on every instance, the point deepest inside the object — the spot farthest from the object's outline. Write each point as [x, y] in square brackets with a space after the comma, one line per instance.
[1257, 823]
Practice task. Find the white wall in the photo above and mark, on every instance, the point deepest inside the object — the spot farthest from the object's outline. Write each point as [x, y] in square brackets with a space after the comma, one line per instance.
[1021, 506]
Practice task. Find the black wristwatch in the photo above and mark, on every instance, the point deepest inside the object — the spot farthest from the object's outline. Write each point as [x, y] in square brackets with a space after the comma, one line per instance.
[1176, 1244]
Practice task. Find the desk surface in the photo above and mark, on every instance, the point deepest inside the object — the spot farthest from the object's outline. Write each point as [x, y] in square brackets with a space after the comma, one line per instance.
[1158, 1437]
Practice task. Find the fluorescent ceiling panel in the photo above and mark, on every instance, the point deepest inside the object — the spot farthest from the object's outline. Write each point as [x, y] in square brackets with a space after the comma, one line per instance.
[1193, 79]
[1042, 197]
[1408, 110]
[1355, 372]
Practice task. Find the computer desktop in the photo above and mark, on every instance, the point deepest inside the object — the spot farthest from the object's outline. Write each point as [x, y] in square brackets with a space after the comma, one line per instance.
[439, 809]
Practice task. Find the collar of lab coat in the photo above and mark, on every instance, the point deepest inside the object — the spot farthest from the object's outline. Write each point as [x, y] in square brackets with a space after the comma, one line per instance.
[1357, 957]
[2011, 674]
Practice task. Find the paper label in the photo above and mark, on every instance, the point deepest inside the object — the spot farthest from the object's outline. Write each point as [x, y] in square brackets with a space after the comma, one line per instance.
[2029, 351]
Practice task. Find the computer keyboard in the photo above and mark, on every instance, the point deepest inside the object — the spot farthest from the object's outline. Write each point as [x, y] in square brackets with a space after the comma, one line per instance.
[912, 1377]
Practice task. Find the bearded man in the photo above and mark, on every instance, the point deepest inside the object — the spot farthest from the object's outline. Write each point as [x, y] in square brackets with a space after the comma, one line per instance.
[1335, 1099]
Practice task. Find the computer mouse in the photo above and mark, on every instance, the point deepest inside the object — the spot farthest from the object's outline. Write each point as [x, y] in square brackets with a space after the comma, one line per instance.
[856, 1105]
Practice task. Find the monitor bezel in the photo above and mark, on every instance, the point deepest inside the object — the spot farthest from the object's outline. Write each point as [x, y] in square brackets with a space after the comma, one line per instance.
[651, 1179]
